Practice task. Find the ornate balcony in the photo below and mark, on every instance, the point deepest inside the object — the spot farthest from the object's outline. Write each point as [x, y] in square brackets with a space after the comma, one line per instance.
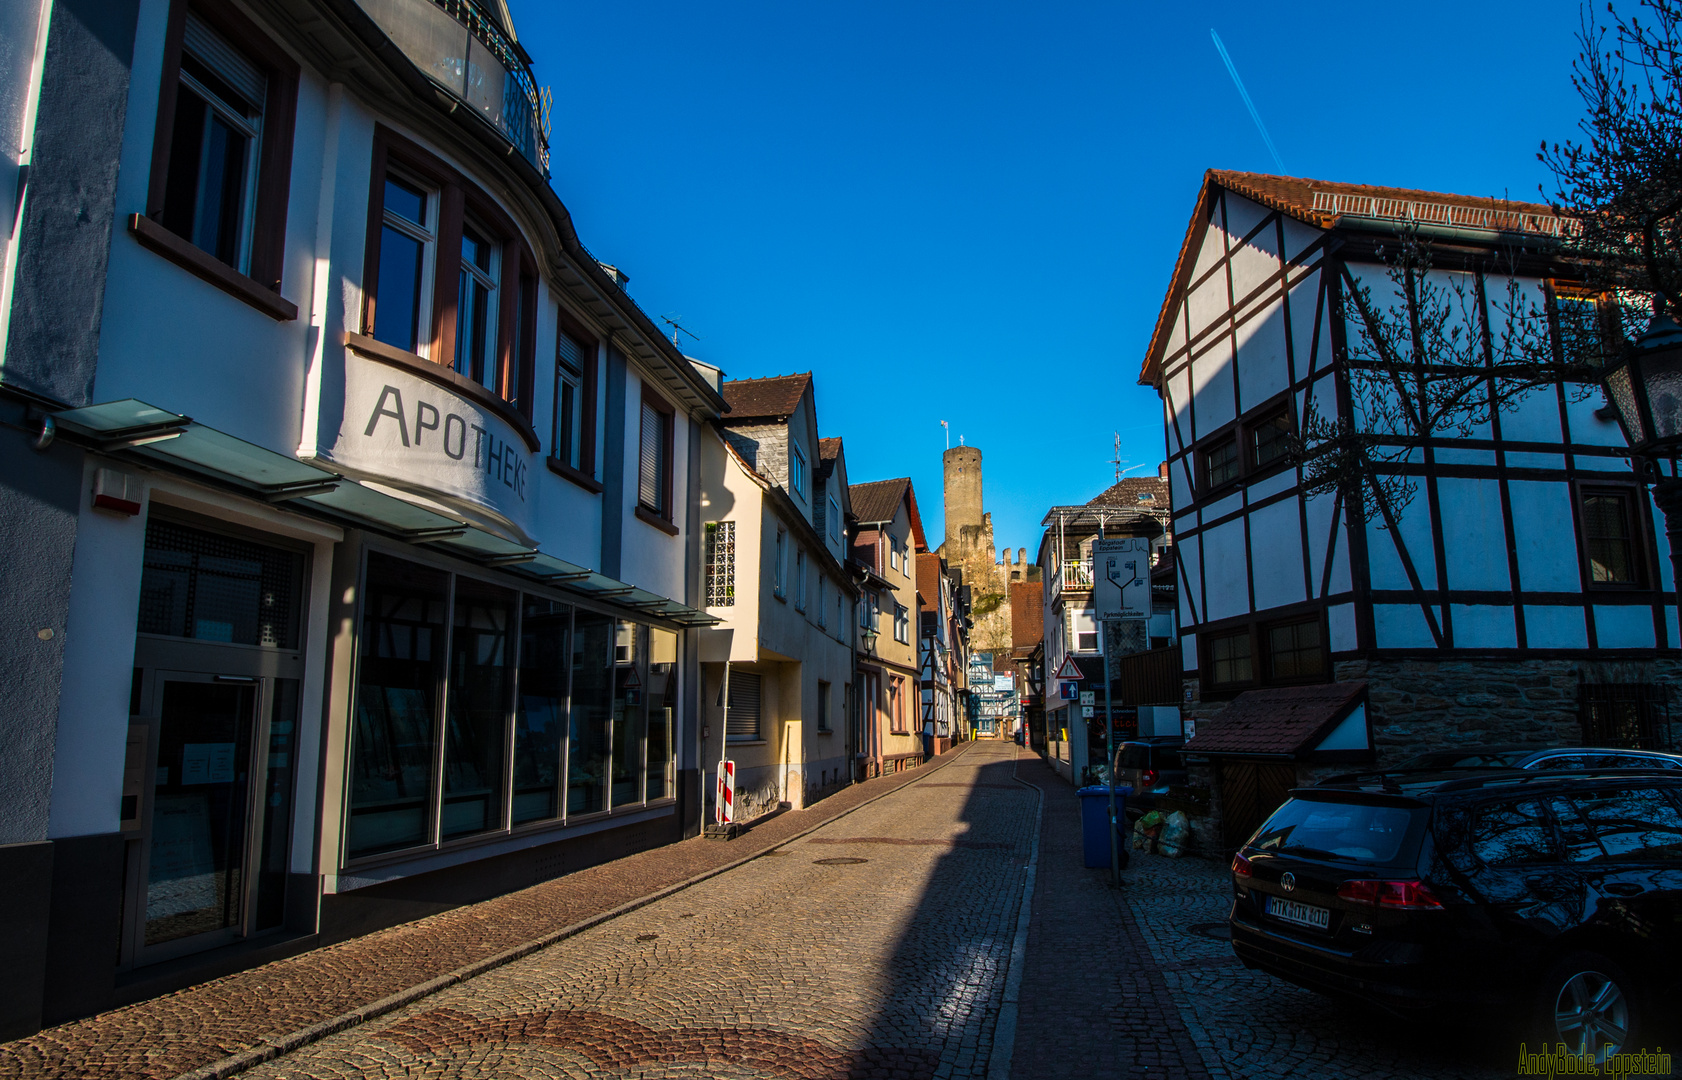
[465, 50]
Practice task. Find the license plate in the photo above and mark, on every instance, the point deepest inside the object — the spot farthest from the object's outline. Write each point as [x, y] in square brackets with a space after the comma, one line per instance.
[1292, 911]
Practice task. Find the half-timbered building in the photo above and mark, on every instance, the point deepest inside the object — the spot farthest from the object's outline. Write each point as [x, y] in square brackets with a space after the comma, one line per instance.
[1516, 590]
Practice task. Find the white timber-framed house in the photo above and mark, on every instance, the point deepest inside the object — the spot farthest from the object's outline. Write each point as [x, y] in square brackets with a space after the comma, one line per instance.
[1523, 595]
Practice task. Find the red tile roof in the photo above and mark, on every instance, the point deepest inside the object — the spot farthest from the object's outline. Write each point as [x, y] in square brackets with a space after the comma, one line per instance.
[1126, 493]
[1027, 614]
[772, 398]
[829, 449]
[879, 501]
[1294, 197]
[1288, 720]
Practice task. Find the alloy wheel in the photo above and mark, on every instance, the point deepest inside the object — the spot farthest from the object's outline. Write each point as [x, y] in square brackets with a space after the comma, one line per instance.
[1591, 1016]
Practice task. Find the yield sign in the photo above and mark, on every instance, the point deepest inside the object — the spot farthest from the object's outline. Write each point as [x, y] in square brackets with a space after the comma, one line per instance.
[1068, 670]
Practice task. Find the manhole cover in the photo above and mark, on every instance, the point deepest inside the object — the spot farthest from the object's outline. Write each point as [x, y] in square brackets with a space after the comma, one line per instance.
[1219, 931]
[839, 860]
[647, 937]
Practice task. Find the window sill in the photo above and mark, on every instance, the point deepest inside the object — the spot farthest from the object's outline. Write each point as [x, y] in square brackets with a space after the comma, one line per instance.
[415, 364]
[582, 479]
[201, 263]
[744, 742]
[649, 517]
[825, 731]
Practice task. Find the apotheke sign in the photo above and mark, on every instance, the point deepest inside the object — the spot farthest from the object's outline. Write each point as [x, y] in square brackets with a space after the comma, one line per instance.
[412, 433]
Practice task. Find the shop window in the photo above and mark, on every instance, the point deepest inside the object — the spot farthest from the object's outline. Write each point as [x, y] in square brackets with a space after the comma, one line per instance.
[1296, 651]
[742, 721]
[541, 709]
[1270, 439]
[211, 587]
[445, 275]
[660, 773]
[1611, 531]
[222, 156]
[823, 706]
[400, 679]
[592, 709]
[1229, 658]
[630, 722]
[1220, 464]
[654, 472]
[572, 442]
[721, 563]
[480, 697]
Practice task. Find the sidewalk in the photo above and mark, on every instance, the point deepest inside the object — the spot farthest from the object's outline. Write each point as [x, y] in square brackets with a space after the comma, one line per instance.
[199, 1026]
[1094, 1001]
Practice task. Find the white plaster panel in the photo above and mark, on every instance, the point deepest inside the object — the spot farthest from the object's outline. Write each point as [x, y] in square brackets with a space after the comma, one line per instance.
[1283, 480]
[1191, 589]
[1178, 490]
[1555, 627]
[1455, 455]
[1533, 417]
[1213, 386]
[1471, 515]
[1252, 265]
[1545, 535]
[1586, 428]
[1211, 249]
[1262, 370]
[1298, 237]
[1305, 308]
[1206, 303]
[1670, 624]
[1188, 652]
[1320, 534]
[1228, 587]
[1623, 626]
[1484, 626]
[1276, 555]
[1340, 621]
[1522, 459]
[1401, 626]
[1414, 524]
[1179, 403]
[1350, 733]
[1227, 504]
[1243, 215]
[1596, 463]
[1176, 332]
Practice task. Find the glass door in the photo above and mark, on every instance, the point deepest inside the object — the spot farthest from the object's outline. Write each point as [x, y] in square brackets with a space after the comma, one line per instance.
[197, 844]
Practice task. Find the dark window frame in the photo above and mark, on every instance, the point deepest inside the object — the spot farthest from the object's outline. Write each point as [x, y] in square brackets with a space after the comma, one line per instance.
[1640, 530]
[583, 471]
[459, 198]
[668, 453]
[267, 256]
[1205, 463]
[1254, 467]
[1264, 658]
[1205, 648]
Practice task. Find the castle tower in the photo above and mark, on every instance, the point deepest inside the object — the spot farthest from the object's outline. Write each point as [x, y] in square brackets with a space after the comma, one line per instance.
[963, 494]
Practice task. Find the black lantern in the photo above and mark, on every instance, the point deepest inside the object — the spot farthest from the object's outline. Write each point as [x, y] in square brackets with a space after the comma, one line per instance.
[1645, 387]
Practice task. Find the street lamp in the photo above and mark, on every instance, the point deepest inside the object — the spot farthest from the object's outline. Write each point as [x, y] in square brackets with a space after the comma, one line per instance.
[1644, 386]
[869, 635]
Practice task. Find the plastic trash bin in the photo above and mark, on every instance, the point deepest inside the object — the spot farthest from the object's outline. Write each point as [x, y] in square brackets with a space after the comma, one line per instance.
[1095, 820]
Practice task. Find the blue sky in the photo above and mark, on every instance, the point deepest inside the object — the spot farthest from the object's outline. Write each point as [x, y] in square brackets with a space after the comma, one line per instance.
[969, 212]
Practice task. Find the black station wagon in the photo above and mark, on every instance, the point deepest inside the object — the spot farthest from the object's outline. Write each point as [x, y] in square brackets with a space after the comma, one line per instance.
[1560, 893]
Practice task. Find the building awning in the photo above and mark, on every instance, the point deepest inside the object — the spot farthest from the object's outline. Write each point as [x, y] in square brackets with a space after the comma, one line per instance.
[136, 431]
[1299, 723]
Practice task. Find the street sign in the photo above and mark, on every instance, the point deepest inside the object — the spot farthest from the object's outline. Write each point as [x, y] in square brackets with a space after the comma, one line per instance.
[1121, 578]
[1089, 697]
[1086, 712]
[1067, 691]
[1068, 669]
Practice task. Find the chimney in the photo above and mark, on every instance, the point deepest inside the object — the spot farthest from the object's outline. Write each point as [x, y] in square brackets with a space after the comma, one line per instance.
[1162, 471]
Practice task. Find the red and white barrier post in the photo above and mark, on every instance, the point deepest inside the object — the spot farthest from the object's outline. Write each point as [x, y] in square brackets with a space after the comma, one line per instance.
[726, 804]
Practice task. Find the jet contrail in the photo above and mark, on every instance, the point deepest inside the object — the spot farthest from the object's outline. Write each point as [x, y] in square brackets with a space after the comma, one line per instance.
[1245, 94]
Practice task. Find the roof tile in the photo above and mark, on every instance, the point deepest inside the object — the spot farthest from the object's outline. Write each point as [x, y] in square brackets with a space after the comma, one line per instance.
[770, 398]
[1285, 720]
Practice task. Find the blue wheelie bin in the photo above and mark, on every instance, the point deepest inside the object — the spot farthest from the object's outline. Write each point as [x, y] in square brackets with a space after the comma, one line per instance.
[1095, 820]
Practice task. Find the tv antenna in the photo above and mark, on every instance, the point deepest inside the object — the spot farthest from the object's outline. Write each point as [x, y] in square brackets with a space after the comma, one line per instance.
[1116, 461]
[676, 329]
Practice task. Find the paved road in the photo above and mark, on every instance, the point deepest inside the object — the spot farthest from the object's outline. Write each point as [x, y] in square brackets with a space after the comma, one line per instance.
[876, 946]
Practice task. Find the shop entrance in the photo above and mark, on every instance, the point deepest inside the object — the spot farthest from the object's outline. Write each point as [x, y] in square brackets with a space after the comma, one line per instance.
[213, 718]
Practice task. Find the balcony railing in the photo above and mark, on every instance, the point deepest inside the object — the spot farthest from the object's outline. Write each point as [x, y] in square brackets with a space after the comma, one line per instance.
[1076, 574]
[463, 51]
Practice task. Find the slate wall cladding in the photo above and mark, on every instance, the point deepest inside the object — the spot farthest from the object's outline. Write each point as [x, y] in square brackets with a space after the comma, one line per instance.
[765, 447]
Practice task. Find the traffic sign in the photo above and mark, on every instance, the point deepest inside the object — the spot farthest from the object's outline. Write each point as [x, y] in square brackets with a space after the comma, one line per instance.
[1069, 669]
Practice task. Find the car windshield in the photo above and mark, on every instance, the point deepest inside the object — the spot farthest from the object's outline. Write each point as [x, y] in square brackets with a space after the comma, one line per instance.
[1360, 832]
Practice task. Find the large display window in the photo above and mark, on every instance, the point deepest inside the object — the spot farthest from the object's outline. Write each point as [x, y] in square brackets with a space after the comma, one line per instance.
[481, 709]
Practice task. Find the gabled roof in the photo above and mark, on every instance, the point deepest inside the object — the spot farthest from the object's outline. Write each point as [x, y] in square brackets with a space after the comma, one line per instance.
[829, 449]
[1135, 493]
[1327, 204]
[1283, 722]
[879, 500]
[1027, 614]
[773, 398]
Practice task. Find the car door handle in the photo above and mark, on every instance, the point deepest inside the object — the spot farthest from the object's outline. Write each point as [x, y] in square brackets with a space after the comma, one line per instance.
[1622, 888]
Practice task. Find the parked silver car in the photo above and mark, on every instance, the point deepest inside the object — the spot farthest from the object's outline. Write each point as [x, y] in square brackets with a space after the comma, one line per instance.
[1528, 757]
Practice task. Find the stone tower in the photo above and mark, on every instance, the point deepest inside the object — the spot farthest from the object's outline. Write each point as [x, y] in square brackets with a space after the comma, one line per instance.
[969, 545]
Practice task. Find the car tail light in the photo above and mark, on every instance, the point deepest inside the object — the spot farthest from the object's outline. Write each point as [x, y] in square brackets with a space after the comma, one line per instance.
[1241, 867]
[1409, 895]
[1147, 778]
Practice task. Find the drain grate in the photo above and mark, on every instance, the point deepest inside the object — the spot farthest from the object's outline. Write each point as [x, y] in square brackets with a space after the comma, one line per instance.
[1218, 931]
[840, 860]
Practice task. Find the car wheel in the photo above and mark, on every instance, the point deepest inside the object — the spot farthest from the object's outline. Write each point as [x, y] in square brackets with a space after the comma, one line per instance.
[1588, 1002]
